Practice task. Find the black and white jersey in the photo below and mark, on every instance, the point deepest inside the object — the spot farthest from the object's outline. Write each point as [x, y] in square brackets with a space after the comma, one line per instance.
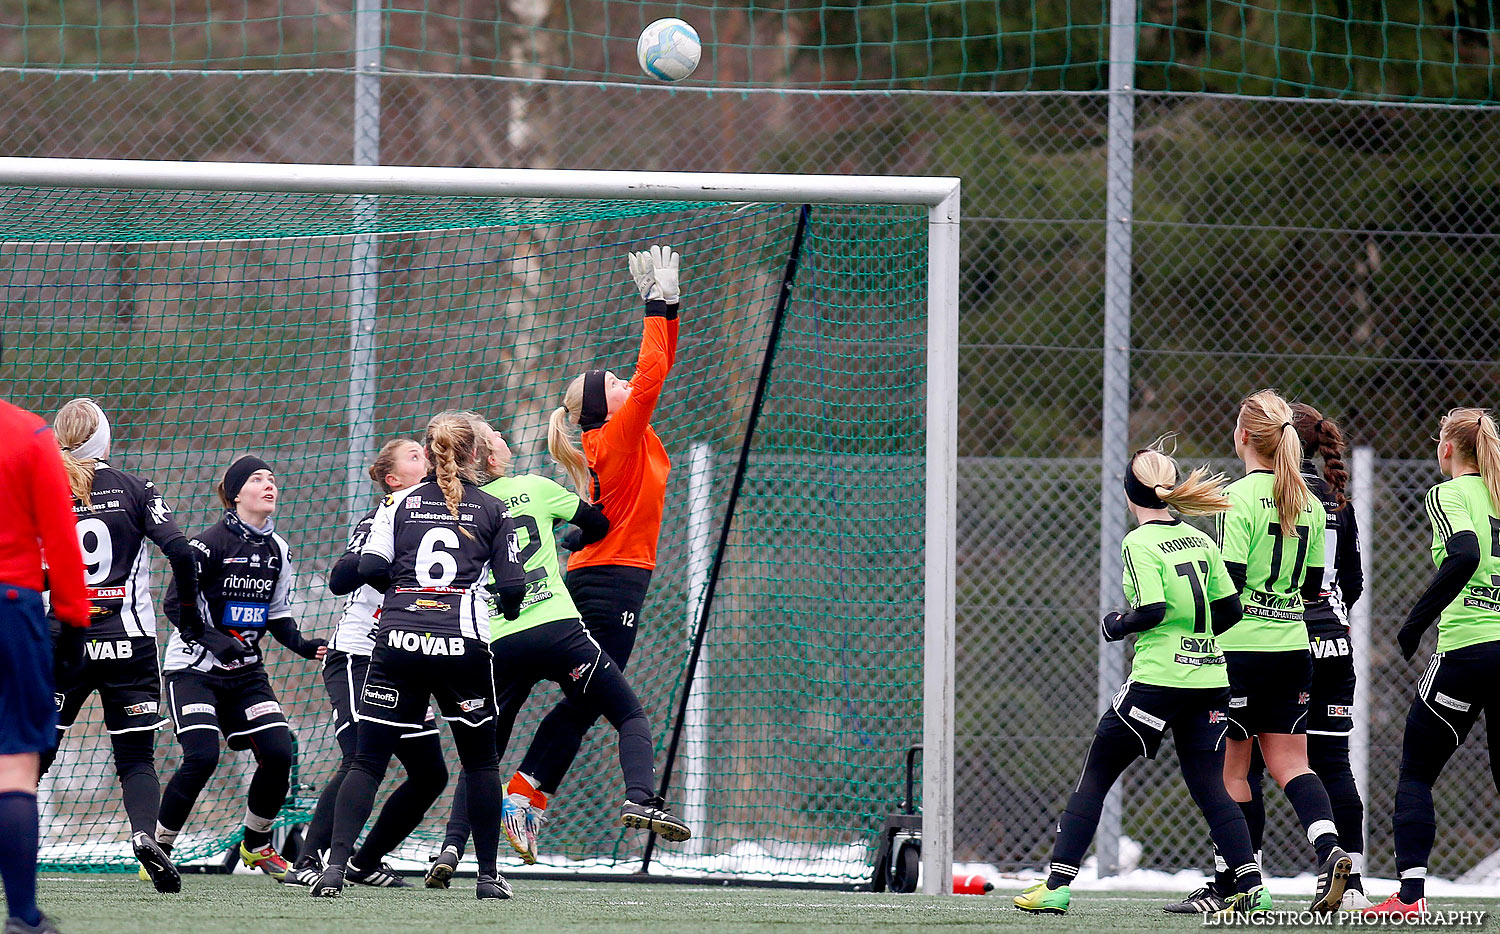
[124, 512]
[1343, 578]
[355, 633]
[440, 565]
[245, 579]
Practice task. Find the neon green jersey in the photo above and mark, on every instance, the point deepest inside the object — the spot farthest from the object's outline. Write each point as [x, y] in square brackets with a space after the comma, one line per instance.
[1275, 567]
[535, 504]
[1175, 564]
[1463, 505]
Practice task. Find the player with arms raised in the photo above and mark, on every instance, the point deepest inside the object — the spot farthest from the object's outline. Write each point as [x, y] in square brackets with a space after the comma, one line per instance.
[1181, 599]
[117, 513]
[622, 469]
[1463, 677]
[216, 681]
[432, 549]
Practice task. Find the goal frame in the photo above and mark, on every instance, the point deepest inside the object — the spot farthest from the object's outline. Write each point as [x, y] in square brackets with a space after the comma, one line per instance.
[939, 195]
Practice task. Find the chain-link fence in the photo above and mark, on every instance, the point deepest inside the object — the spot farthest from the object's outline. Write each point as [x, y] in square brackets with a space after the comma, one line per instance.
[1345, 253]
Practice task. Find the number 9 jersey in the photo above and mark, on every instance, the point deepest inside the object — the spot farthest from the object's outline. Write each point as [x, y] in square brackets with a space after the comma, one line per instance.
[440, 565]
[1174, 564]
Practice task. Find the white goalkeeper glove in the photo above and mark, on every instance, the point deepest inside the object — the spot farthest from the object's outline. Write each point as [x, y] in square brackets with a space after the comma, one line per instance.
[655, 272]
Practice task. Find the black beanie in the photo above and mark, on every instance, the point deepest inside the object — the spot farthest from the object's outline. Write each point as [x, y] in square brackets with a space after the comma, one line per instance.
[239, 472]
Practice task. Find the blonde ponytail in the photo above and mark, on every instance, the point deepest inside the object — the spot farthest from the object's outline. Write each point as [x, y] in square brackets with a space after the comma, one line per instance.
[1268, 419]
[1200, 494]
[454, 447]
[560, 441]
[72, 426]
[1475, 440]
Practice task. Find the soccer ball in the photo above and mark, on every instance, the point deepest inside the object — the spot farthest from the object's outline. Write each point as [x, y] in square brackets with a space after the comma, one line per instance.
[668, 50]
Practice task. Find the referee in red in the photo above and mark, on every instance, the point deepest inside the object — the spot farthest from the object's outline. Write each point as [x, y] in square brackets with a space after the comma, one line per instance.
[36, 524]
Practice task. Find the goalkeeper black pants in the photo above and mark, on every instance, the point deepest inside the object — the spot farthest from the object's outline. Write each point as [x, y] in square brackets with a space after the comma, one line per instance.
[566, 653]
[610, 600]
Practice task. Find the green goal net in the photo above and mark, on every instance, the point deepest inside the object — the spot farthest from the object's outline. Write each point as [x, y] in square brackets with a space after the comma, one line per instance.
[213, 324]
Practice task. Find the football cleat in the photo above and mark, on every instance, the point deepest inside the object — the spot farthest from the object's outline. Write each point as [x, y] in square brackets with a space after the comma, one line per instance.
[1040, 900]
[303, 874]
[491, 886]
[516, 821]
[1355, 900]
[381, 877]
[267, 860]
[1333, 878]
[330, 883]
[1254, 902]
[1204, 900]
[444, 865]
[44, 926]
[652, 814]
[155, 864]
[1394, 906]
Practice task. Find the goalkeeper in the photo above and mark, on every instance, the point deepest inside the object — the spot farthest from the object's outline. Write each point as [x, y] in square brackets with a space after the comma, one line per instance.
[621, 469]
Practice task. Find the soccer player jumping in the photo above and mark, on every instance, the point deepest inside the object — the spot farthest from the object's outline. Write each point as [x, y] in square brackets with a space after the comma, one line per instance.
[622, 469]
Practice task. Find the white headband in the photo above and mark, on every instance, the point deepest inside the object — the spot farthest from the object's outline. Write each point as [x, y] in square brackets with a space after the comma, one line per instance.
[96, 446]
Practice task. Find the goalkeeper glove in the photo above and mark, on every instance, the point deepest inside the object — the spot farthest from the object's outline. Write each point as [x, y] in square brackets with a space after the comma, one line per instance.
[656, 274]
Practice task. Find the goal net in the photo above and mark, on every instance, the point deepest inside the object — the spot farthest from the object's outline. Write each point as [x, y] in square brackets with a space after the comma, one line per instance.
[311, 327]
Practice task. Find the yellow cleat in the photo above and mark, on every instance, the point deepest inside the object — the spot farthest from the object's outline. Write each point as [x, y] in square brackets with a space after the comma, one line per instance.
[267, 860]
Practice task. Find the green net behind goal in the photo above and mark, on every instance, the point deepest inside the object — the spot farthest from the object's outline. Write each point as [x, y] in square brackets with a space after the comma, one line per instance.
[210, 325]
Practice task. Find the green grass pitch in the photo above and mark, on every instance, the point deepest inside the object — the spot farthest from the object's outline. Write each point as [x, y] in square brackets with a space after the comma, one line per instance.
[116, 904]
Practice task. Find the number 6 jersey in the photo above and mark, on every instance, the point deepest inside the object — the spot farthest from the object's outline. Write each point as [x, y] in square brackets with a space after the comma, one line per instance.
[440, 565]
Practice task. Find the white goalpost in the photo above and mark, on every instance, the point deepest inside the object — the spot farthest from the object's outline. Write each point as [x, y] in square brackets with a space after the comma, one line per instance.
[939, 196]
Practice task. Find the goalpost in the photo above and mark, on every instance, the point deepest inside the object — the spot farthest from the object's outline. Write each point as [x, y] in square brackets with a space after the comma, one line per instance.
[312, 311]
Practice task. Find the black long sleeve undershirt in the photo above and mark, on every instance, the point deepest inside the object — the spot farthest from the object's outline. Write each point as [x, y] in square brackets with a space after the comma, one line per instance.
[179, 554]
[1446, 584]
[285, 631]
[1312, 585]
[592, 526]
[344, 577]
[1237, 574]
[375, 571]
[1224, 613]
[1351, 576]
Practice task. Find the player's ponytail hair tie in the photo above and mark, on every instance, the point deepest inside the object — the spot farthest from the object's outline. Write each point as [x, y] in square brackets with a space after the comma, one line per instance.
[96, 445]
[238, 473]
[595, 404]
[1138, 492]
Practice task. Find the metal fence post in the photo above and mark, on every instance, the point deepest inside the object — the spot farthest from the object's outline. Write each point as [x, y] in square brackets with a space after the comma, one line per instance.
[364, 261]
[1119, 192]
[1361, 621]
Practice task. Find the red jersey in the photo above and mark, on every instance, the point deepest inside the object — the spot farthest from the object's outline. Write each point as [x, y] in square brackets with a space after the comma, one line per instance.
[629, 462]
[38, 508]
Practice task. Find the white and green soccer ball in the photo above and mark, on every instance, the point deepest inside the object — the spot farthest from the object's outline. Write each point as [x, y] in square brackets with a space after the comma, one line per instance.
[669, 49]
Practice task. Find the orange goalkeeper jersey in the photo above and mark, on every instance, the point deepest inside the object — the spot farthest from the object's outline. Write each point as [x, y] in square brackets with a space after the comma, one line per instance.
[629, 462]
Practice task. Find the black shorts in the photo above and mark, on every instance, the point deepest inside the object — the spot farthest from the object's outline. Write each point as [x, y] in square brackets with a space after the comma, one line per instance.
[125, 673]
[1268, 692]
[1457, 685]
[1330, 709]
[405, 671]
[344, 676]
[566, 653]
[27, 711]
[609, 598]
[235, 704]
[1197, 717]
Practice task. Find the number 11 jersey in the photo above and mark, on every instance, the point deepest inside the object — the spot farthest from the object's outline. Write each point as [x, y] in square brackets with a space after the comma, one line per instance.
[1175, 564]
